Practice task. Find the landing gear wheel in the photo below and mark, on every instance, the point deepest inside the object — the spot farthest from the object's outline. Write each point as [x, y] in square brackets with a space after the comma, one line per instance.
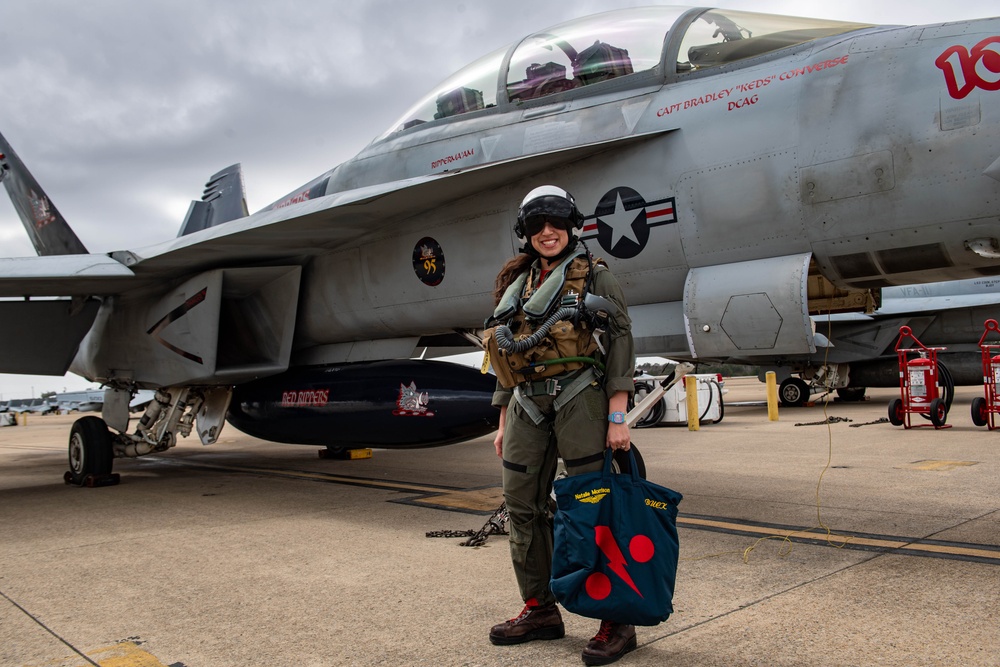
[90, 453]
[794, 393]
[980, 415]
[939, 412]
[896, 412]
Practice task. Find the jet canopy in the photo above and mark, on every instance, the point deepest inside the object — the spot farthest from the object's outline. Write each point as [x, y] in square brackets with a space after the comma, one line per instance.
[574, 57]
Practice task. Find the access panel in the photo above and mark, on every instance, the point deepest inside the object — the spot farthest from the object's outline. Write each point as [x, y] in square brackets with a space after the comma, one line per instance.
[747, 309]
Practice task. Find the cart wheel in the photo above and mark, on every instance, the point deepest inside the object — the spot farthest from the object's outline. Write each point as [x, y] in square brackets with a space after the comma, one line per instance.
[980, 413]
[939, 412]
[896, 412]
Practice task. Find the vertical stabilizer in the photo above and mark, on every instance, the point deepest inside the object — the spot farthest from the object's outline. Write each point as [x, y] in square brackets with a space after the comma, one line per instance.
[224, 199]
[46, 227]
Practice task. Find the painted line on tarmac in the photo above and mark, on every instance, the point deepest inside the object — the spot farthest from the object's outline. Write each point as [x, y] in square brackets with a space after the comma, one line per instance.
[913, 546]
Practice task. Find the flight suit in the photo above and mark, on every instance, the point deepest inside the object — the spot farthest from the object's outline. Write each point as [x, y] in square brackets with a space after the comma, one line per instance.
[576, 431]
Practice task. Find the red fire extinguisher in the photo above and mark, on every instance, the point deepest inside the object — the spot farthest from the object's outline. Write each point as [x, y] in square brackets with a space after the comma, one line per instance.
[922, 378]
[918, 384]
[985, 408]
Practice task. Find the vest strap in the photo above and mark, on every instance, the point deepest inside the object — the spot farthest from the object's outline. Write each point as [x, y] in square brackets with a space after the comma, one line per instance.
[541, 300]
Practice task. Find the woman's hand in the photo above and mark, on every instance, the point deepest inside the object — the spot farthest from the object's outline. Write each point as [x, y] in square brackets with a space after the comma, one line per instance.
[498, 438]
[618, 436]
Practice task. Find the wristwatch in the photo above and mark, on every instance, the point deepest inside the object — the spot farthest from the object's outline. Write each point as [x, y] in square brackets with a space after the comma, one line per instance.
[617, 418]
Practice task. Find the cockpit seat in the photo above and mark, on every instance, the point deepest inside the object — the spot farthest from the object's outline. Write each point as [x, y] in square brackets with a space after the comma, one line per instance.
[599, 62]
[458, 101]
[541, 80]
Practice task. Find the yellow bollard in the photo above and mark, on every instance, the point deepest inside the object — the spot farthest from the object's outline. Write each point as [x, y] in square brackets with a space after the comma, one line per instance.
[772, 396]
[691, 392]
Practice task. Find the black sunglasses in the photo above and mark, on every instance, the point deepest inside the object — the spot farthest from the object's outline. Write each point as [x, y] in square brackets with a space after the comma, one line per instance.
[534, 224]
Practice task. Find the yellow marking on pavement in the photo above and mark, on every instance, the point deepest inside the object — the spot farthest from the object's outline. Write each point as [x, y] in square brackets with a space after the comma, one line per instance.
[478, 500]
[931, 465]
[953, 550]
[835, 539]
[123, 654]
[769, 530]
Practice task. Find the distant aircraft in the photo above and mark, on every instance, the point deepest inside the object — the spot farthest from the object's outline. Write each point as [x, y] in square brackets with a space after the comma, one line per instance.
[17, 405]
[36, 405]
[741, 173]
[81, 401]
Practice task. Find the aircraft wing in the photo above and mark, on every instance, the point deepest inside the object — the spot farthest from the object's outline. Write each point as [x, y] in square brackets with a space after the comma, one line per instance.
[63, 275]
[301, 230]
[934, 304]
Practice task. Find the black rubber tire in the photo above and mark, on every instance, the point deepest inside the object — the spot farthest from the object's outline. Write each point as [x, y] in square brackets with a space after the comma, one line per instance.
[794, 393]
[980, 413]
[896, 416]
[90, 451]
[939, 412]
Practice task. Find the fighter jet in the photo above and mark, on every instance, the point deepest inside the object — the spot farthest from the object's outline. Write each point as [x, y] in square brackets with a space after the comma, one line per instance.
[741, 173]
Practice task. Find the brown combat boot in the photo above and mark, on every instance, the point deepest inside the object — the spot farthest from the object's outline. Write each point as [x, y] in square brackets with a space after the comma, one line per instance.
[532, 623]
[610, 643]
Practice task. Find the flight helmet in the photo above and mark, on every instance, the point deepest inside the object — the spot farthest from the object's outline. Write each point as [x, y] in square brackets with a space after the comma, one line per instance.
[547, 203]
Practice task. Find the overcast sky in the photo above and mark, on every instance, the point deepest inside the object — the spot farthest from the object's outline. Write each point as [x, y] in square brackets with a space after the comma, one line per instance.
[122, 110]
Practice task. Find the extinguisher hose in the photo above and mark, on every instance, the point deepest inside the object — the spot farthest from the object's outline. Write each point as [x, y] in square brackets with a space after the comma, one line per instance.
[947, 385]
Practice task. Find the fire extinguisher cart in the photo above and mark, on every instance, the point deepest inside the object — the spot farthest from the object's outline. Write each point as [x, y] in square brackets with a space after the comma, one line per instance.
[985, 409]
[919, 390]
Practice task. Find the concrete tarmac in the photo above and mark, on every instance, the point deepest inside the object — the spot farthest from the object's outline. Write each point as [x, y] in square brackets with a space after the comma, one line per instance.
[253, 553]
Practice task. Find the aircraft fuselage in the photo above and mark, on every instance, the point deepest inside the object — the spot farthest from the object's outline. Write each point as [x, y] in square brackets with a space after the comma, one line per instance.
[853, 150]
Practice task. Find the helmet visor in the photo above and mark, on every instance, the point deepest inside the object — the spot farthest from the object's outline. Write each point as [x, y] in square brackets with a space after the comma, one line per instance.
[536, 223]
[555, 210]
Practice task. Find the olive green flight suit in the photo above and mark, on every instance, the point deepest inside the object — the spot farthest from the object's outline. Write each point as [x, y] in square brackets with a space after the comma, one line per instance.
[577, 432]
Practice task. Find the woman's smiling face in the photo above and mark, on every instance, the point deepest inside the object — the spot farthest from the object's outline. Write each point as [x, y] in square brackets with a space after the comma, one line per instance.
[549, 242]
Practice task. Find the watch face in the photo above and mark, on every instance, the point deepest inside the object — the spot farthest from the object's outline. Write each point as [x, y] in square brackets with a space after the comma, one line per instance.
[617, 418]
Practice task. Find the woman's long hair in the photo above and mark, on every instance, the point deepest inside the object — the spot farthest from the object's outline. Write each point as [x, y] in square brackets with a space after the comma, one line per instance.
[514, 267]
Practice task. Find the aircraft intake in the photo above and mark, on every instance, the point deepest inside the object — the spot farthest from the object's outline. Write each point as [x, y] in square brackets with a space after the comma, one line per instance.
[390, 404]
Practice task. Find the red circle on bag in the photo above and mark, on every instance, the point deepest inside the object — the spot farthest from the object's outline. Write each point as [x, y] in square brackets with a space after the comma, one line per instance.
[641, 548]
[598, 586]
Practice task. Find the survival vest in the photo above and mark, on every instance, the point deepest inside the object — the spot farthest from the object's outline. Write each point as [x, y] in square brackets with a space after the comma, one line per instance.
[524, 307]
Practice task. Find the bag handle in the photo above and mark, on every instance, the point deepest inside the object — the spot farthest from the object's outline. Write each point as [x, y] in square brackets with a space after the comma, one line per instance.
[609, 457]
